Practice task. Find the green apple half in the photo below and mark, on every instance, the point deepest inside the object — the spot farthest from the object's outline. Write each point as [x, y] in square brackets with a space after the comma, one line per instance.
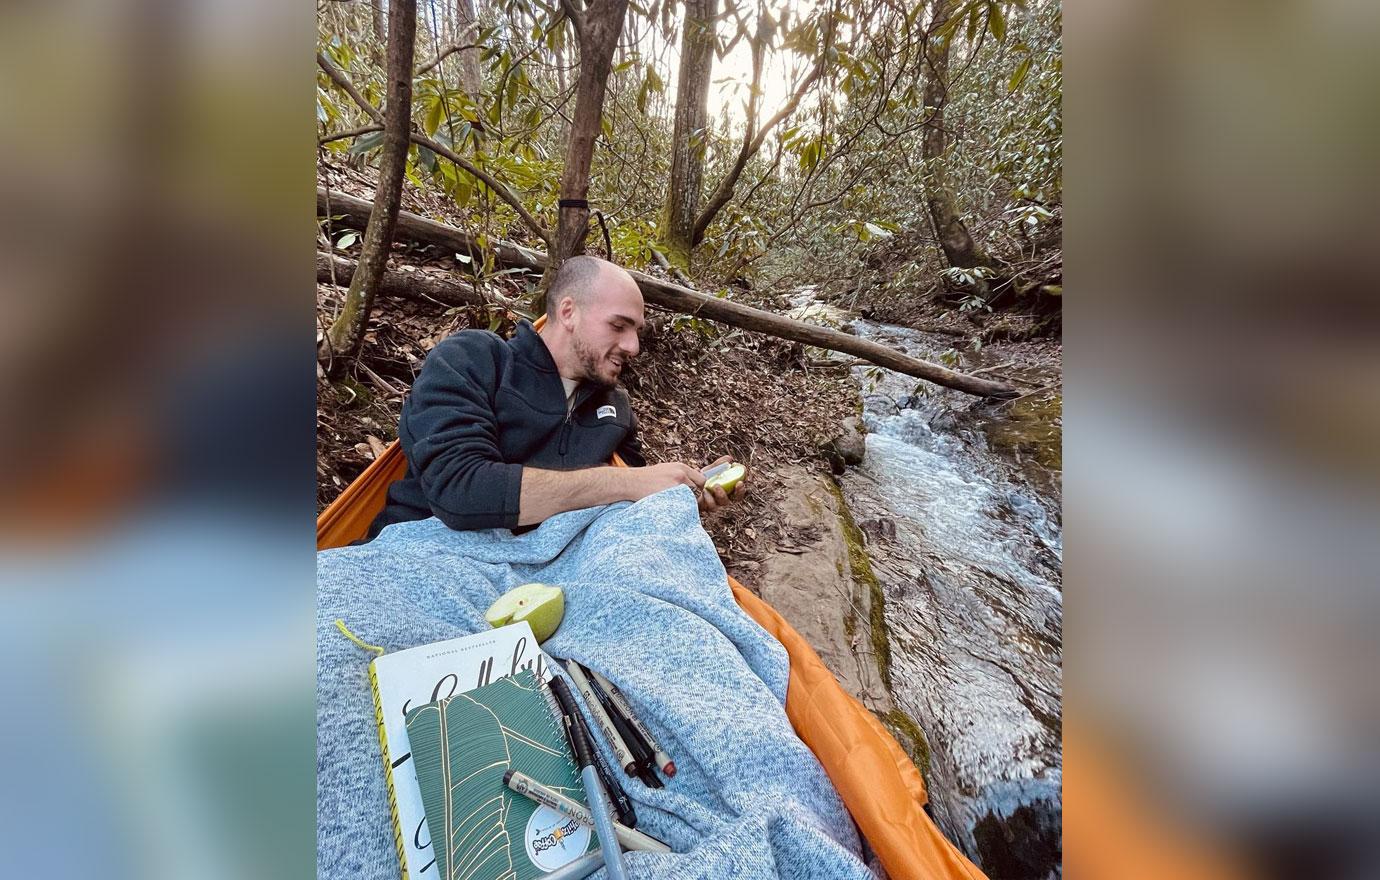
[540, 605]
[726, 479]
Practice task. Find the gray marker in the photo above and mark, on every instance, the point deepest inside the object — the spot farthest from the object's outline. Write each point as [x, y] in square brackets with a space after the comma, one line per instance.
[579, 869]
[620, 749]
[599, 806]
[534, 791]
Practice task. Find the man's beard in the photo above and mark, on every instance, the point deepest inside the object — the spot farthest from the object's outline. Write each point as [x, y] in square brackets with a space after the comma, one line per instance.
[589, 363]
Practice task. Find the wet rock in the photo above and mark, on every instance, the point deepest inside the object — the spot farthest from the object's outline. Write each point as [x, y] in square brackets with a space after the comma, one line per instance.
[879, 529]
[972, 582]
[947, 421]
[813, 586]
[848, 448]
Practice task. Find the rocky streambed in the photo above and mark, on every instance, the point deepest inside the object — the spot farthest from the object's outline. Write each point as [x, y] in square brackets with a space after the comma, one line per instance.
[942, 554]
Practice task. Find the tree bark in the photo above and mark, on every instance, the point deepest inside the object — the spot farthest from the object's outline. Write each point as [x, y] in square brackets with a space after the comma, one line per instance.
[354, 212]
[960, 250]
[597, 28]
[378, 10]
[471, 79]
[345, 336]
[691, 131]
[405, 285]
[672, 297]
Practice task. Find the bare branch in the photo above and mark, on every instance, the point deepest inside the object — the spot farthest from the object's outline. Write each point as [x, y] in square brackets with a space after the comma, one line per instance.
[499, 188]
[443, 55]
[724, 191]
[343, 135]
[340, 79]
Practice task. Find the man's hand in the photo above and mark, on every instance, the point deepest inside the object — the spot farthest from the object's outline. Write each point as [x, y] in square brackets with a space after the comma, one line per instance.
[716, 498]
[658, 477]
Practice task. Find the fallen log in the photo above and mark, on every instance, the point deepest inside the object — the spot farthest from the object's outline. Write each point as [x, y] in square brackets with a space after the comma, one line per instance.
[354, 212]
[408, 285]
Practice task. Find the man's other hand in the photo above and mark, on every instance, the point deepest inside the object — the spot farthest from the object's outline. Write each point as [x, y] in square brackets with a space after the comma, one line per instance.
[716, 498]
[659, 477]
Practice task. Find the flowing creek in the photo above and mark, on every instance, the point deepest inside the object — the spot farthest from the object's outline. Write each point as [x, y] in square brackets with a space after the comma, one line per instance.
[960, 502]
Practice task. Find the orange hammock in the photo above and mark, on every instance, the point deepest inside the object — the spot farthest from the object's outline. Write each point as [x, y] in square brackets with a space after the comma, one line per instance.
[874, 776]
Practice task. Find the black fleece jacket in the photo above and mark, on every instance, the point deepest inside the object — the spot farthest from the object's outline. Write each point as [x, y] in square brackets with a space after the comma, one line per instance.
[480, 410]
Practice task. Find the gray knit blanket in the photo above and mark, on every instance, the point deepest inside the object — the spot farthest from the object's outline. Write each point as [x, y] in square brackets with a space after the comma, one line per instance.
[648, 605]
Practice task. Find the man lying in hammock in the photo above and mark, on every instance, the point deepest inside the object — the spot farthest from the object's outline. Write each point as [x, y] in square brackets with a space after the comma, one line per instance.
[506, 433]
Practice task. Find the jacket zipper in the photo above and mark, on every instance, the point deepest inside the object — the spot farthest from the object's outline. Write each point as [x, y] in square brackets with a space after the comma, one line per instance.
[580, 396]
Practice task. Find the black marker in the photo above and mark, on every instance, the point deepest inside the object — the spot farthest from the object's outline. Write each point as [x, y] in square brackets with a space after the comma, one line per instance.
[567, 710]
[599, 806]
[622, 804]
[602, 720]
[663, 760]
[642, 753]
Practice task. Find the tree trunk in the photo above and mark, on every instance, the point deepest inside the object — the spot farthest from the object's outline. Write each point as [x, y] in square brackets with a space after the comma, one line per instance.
[404, 285]
[345, 336]
[597, 27]
[377, 9]
[959, 247]
[672, 297]
[691, 131]
[471, 79]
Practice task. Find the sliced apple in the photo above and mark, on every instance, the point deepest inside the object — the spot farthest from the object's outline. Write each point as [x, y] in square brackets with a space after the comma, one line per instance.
[726, 479]
[542, 606]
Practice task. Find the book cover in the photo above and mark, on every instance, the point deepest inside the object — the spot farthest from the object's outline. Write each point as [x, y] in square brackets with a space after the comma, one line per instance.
[404, 680]
[462, 746]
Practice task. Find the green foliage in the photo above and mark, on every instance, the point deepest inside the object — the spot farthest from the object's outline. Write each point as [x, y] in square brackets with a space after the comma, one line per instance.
[838, 182]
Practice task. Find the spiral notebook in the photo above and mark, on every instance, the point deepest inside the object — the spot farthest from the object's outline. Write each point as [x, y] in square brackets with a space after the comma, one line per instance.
[461, 747]
[402, 680]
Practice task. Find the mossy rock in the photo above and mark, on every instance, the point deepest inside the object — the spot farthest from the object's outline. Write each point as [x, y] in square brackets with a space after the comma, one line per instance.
[352, 394]
[911, 737]
[864, 577]
[1033, 426]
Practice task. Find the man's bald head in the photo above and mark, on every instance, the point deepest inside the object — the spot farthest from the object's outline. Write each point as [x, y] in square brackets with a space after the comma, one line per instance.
[581, 278]
[594, 311]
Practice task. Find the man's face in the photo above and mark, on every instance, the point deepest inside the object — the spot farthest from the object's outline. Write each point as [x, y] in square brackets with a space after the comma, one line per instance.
[604, 337]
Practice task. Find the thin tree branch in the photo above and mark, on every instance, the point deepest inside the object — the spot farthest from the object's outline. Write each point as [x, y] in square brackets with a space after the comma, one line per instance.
[499, 188]
[343, 135]
[577, 18]
[444, 54]
[340, 79]
[724, 191]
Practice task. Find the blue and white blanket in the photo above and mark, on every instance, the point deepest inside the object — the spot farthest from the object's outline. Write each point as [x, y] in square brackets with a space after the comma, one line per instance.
[648, 605]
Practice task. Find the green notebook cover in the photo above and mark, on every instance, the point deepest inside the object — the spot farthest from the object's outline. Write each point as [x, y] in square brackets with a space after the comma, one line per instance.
[462, 746]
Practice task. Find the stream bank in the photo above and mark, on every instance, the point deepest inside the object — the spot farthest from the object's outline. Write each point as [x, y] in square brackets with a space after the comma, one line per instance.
[933, 587]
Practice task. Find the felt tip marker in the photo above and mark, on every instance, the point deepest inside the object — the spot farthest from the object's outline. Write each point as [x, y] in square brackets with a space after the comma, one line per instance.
[642, 754]
[534, 791]
[599, 806]
[601, 718]
[622, 805]
[663, 760]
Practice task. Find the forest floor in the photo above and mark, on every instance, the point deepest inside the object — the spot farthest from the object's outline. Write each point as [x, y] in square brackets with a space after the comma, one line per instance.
[699, 390]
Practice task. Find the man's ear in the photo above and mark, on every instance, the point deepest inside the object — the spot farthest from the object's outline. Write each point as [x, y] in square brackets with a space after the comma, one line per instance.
[565, 312]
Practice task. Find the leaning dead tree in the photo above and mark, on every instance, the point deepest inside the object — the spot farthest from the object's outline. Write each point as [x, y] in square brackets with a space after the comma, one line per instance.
[673, 297]
[346, 333]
